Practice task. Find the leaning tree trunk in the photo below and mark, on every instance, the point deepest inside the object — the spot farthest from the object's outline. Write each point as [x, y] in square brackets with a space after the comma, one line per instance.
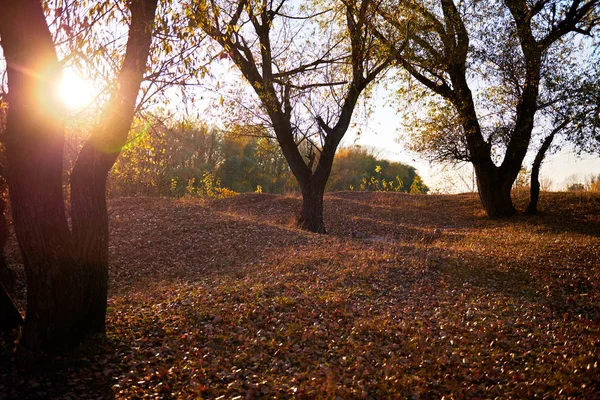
[88, 180]
[535, 170]
[311, 215]
[34, 140]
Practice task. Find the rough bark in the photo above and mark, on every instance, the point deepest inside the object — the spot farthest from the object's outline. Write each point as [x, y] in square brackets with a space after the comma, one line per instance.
[494, 191]
[311, 215]
[90, 232]
[88, 180]
[34, 148]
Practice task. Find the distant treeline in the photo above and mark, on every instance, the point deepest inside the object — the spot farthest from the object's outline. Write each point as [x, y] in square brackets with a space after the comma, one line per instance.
[195, 159]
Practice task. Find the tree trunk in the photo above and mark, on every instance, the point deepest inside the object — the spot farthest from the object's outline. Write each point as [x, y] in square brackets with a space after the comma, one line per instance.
[7, 276]
[534, 191]
[34, 147]
[535, 170]
[54, 297]
[311, 215]
[90, 235]
[494, 191]
[88, 180]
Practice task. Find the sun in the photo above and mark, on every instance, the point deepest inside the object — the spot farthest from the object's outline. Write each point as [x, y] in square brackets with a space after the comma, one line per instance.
[75, 91]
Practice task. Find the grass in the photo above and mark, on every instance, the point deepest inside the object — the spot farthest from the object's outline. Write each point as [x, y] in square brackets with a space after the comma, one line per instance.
[227, 298]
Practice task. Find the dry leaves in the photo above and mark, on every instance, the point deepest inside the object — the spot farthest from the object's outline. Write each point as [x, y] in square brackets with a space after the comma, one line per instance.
[430, 300]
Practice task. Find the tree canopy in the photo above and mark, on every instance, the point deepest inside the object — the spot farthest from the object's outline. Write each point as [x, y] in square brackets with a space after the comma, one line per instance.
[488, 80]
[308, 84]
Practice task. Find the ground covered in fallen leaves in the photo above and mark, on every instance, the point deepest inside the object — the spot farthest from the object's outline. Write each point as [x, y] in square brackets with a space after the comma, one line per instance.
[408, 296]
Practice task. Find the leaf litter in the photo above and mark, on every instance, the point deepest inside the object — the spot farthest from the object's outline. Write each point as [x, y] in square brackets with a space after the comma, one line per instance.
[407, 297]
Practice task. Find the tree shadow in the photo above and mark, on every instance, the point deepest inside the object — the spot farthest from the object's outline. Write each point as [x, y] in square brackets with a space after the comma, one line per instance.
[190, 242]
[565, 213]
[88, 372]
[434, 211]
[565, 294]
[436, 239]
[197, 243]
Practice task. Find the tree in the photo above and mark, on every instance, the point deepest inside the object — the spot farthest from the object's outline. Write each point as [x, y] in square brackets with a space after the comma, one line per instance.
[179, 158]
[10, 318]
[418, 186]
[574, 117]
[309, 103]
[356, 168]
[576, 187]
[66, 271]
[89, 212]
[452, 46]
[251, 161]
[162, 159]
[34, 145]
[594, 184]
[5, 273]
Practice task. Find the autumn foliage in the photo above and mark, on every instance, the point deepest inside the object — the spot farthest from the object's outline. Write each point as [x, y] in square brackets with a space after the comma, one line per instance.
[196, 160]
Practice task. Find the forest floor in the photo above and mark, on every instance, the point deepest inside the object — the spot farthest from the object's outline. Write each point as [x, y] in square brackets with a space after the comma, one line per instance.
[408, 296]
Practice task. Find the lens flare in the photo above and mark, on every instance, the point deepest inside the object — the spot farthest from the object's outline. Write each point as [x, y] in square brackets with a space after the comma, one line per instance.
[75, 91]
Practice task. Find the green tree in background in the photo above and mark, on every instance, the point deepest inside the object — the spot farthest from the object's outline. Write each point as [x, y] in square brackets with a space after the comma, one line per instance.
[161, 160]
[357, 168]
[195, 159]
[250, 162]
[418, 187]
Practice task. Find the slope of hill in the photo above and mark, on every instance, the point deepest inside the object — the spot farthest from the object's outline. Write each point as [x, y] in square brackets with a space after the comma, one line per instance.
[407, 296]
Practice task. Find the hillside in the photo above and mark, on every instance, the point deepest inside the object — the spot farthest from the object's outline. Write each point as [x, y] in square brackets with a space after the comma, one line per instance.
[407, 296]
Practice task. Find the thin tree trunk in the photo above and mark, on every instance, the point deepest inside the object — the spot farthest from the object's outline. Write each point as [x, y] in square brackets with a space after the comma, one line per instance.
[88, 180]
[534, 190]
[34, 147]
[535, 170]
